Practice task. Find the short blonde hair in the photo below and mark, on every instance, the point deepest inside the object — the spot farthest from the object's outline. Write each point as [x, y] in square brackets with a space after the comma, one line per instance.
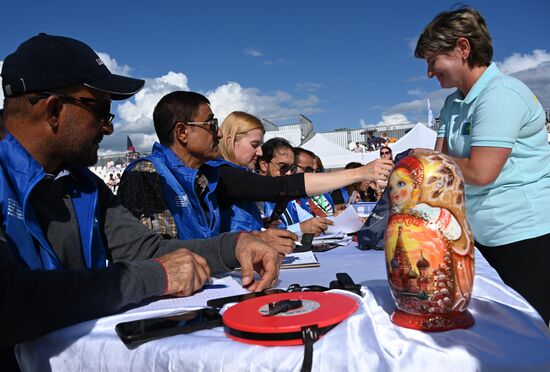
[236, 124]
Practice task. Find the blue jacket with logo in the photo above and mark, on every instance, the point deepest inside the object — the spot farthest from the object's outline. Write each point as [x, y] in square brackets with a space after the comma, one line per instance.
[243, 214]
[178, 188]
[19, 174]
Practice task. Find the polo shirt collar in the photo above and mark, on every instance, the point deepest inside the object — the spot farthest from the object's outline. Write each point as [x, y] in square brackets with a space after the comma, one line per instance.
[489, 74]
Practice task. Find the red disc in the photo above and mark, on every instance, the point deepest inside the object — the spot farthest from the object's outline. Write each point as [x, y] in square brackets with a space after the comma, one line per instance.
[318, 308]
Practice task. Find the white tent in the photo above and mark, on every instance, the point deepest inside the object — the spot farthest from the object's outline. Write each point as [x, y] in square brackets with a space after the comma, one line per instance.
[334, 156]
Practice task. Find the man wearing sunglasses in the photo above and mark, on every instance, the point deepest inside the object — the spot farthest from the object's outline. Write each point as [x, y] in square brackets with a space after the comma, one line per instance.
[317, 205]
[60, 224]
[172, 190]
[278, 160]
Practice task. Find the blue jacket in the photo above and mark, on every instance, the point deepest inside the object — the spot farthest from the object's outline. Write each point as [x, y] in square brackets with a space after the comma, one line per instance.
[178, 188]
[19, 174]
[243, 214]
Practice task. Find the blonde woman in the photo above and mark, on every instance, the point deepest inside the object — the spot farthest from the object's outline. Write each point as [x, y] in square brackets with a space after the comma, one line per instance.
[243, 135]
[241, 146]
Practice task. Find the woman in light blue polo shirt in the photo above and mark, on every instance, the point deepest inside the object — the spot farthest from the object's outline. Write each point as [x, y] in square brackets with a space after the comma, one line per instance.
[493, 127]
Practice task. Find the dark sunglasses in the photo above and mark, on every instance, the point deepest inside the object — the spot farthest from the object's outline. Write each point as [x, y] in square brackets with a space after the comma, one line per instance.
[285, 168]
[100, 108]
[210, 125]
[307, 169]
[385, 153]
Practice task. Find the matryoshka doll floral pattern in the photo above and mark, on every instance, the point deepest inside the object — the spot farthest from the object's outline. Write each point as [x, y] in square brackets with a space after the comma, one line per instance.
[429, 248]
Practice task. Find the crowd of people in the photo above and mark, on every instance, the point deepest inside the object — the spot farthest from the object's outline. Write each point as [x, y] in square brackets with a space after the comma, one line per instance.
[211, 198]
[373, 143]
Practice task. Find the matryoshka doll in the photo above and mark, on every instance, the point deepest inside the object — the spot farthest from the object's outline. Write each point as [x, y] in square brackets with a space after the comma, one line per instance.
[429, 248]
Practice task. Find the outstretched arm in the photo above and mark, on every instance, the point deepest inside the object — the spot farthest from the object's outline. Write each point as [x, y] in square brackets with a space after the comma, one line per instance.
[319, 183]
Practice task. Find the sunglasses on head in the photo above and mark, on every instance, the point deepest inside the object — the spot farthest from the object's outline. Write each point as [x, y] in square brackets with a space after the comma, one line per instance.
[285, 168]
[100, 108]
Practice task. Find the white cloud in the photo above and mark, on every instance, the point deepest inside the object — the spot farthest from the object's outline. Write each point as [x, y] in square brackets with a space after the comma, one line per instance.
[389, 119]
[393, 119]
[519, 62]
[113, 65]
[253, 52]
[233, 97]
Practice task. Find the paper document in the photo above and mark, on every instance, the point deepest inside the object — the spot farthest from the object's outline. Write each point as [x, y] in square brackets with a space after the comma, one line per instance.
[222, 287]
[299, 260]
[334, 236]
[347, 222]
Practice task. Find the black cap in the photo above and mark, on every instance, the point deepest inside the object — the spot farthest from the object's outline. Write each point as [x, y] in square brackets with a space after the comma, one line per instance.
[47, 62]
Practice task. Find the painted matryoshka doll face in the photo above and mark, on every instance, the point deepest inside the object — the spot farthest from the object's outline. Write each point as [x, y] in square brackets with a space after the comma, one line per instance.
[400, 188]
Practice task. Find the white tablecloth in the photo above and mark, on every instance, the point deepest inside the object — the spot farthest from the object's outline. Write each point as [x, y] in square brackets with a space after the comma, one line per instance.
[508, 335]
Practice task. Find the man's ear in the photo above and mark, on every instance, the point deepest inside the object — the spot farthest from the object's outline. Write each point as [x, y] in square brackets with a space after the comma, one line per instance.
[263, 166]
[181, 132]
[53, 106]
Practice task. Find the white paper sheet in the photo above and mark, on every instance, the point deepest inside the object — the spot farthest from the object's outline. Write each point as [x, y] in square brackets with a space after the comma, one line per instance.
[347, 222]
[300, 259]
[221, 287]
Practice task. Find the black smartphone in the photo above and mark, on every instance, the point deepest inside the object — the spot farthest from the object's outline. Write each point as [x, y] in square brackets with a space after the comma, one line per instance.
[136, 332]
[218, 303]
[323, 247]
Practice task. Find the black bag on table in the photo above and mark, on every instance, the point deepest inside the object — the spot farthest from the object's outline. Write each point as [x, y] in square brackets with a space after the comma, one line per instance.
[371, 234]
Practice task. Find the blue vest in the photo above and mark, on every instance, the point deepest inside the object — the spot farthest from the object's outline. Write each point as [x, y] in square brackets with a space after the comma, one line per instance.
[178, 191]
[243, 214]
[19, 174]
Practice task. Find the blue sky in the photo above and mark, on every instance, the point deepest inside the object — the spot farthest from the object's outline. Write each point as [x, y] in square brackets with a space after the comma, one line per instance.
[342, 64]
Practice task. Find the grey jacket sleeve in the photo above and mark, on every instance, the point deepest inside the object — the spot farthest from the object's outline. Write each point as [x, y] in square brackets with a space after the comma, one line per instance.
[129, 240]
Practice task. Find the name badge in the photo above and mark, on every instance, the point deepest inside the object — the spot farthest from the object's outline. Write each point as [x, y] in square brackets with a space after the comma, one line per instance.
[466, 129]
